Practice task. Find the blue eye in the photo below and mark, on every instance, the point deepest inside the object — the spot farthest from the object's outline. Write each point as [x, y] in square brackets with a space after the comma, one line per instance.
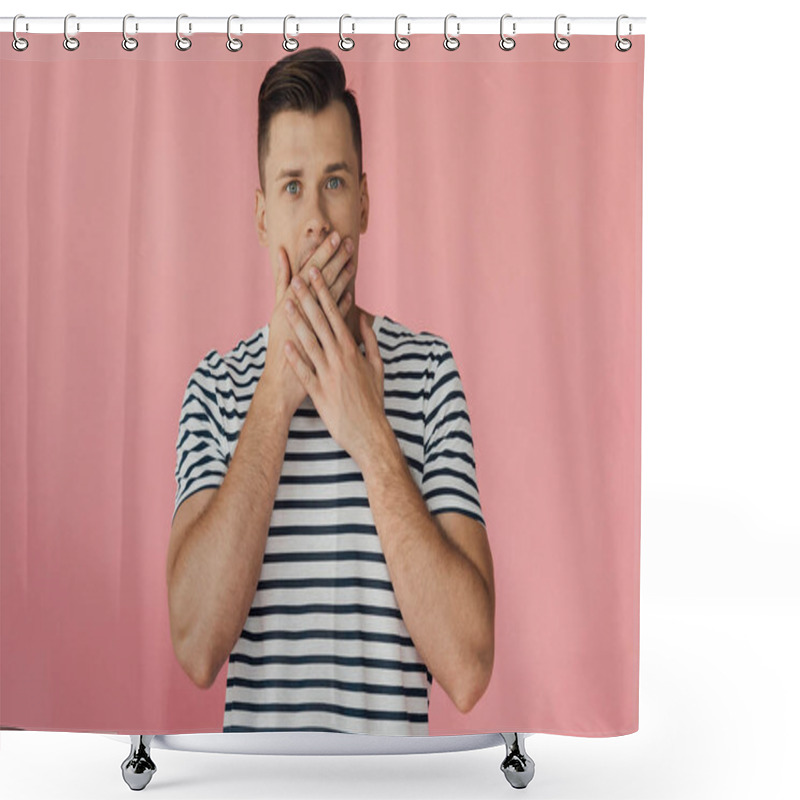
[333, 178]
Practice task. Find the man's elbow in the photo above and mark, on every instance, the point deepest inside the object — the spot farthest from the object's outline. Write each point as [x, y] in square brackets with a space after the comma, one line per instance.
[476, 687]
[466, 702]
[195, 671]
[196, 668]
[203, 671]
[202, 679]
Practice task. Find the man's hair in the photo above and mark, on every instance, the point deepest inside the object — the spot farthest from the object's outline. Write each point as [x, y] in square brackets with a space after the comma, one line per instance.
[306, 80]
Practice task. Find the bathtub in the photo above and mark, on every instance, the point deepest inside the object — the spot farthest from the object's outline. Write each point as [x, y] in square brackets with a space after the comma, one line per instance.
[138, 768]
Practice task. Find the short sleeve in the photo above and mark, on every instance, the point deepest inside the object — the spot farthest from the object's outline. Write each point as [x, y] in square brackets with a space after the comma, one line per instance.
[449, 481]
[202, 452]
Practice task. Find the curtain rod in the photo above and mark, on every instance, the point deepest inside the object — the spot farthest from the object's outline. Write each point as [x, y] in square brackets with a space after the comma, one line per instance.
[512, 26]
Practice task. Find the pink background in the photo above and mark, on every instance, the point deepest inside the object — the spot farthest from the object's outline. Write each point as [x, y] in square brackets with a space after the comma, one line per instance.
[505, 215]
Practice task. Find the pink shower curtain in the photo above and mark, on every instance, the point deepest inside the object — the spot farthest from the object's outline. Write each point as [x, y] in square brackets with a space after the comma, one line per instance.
[504, 233]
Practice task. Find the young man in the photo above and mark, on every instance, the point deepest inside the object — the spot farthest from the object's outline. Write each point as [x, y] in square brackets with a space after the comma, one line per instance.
[327, 540]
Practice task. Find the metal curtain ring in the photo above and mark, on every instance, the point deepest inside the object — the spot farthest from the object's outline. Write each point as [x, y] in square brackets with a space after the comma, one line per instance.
[451, 42]
[128, 42]
[507, 42]
[400, 42]
[623, 45]
[182, 43]
[289, 42]
[560, 42]
[345, 43]
[233, 44]
[70, 42]
[17, 42]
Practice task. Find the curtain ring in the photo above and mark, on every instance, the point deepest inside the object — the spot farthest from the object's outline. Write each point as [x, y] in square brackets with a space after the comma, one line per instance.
[560, 42]
[128, 42]
[233, 44]
[507, 42]
[400, 42]
[289, 42]
[17, 42]
[182, 43]
[451, 42]
[623, 45]
[70, 42]
[345, 43]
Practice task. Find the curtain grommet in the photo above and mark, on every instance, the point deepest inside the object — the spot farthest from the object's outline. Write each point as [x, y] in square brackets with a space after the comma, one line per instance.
[289, 42]
[129, 43]
[401, 42]
[561, 43]
[345, 42]
[70, 42]
[507, 42]
[233, 44]
[451, 42]
[182, 42]
[17, 42]
[623, 45]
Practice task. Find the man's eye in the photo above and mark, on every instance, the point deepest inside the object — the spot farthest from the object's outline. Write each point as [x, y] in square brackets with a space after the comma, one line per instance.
[334, 178]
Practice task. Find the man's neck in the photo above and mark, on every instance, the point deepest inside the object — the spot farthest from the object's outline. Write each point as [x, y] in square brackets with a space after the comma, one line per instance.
[354, 325]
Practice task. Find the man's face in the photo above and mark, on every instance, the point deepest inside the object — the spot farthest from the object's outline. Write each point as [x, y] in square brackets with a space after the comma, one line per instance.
[311, 185]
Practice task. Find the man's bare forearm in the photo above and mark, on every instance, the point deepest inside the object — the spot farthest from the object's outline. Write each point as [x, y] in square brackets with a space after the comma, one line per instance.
[445, 602]
[218, 567]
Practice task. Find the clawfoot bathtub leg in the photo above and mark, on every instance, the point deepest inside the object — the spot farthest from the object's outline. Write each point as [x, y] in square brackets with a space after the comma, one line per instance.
[138, 767]
[517, 766]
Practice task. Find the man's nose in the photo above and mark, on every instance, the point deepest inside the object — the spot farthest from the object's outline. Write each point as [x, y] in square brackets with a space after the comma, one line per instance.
[318, 230]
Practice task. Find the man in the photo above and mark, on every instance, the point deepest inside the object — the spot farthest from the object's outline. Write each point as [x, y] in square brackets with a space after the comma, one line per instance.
[327, 540]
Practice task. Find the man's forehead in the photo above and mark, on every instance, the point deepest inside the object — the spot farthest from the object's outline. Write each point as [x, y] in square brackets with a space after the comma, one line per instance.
[311, 143]
[300, 158]
[330, 122]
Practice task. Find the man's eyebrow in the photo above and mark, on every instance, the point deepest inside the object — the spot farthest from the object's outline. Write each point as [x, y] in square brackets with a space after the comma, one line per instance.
[298, 173]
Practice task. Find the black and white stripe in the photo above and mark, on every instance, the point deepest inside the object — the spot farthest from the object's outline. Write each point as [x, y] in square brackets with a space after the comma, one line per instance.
[325, 647]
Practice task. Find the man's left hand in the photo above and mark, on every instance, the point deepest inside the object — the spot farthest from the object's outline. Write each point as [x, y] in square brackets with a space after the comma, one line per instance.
[345, 386]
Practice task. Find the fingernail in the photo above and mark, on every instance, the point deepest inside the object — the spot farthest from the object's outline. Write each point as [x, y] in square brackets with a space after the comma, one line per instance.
[296, 282]
[314, 272]
[349, 245]
[335, 240]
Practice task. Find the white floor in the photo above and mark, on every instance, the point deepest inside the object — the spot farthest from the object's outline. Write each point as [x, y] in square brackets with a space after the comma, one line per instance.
[719, 703]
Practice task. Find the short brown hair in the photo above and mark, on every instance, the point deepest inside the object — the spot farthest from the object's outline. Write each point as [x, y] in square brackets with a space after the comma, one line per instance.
[306, 80]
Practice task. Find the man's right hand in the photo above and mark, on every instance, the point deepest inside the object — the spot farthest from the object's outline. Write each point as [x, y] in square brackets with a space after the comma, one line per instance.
[278, 372]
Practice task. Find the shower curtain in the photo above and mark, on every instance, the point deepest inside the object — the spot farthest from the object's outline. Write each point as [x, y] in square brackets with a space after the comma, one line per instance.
[408, 506]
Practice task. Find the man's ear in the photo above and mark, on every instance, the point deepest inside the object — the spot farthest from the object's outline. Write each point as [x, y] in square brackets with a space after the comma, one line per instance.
[261, 219]
[364, 204]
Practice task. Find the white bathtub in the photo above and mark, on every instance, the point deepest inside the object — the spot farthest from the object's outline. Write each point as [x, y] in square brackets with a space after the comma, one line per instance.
[138, 768]
[317, 743]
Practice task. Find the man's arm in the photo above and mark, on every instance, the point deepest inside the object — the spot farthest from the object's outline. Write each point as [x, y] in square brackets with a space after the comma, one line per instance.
[445, 597]
[215, 556]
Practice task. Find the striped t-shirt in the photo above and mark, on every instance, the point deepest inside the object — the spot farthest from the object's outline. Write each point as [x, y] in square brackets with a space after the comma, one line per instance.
[324, 647]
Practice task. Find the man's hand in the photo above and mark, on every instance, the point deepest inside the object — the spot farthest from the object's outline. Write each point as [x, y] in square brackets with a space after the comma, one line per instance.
[280, 375]
[345, 386]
